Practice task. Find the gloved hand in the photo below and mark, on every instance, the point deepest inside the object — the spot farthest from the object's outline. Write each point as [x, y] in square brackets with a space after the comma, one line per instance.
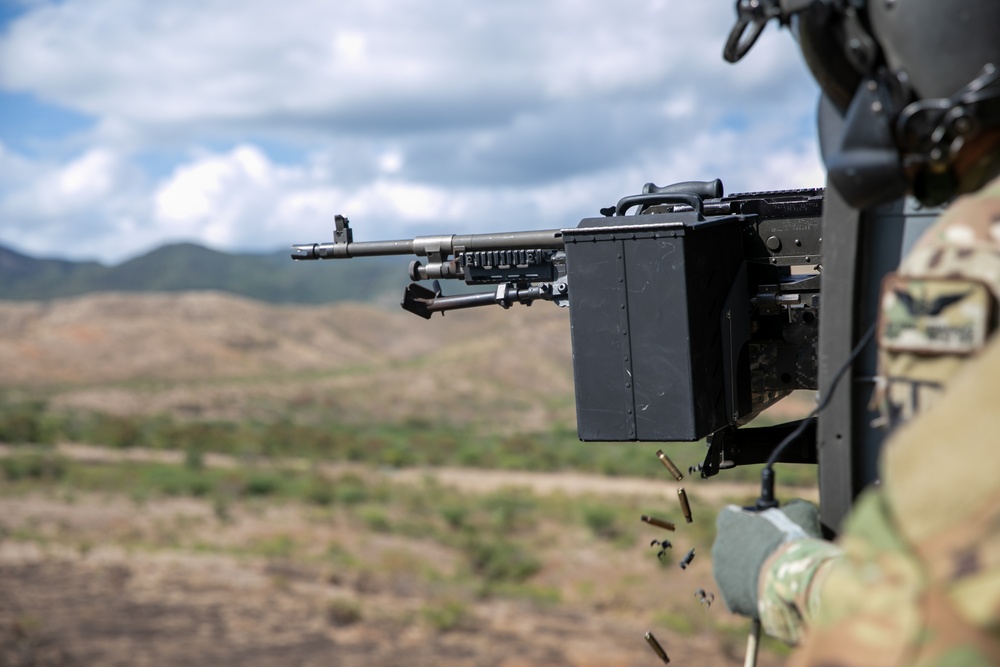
[743, 541]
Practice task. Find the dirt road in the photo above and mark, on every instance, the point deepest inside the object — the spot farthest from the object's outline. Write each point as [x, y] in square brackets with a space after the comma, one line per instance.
[469, 480]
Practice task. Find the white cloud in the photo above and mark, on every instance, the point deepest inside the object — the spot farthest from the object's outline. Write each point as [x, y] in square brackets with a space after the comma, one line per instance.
[265, 119]
[235, 199]
[60, 190]
[191, 60]
[349, 48]
[86, 179]
[391, 161]
[95, 205]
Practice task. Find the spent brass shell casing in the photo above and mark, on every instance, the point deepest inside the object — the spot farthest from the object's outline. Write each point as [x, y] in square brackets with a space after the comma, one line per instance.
[685, 505]
[655, 645]
[659, 523]
[669, 465]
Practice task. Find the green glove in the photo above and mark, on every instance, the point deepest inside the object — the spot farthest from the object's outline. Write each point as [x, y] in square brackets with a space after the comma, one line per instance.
[743, 541]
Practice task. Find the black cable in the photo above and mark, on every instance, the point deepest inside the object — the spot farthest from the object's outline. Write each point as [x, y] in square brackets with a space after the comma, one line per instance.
[766, 499]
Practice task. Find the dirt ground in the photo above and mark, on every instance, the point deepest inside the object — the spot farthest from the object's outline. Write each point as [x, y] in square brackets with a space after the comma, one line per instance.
[91, 578]
[120, 609]
[101, 579]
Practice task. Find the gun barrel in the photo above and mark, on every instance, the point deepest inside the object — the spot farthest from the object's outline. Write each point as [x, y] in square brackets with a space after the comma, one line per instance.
[346, 250]
[425, 246]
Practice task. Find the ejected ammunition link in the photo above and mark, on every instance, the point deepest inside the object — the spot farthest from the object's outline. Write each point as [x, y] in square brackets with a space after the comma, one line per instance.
[669, 465]
[687, 559]
[685, 506]
[705, 597]
[664, 545]
[655, 645]
[659, 523]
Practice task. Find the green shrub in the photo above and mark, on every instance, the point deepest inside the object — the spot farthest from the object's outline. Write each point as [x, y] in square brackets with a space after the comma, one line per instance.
[25, 423]
[447, 615]
[319, 491]
[194, 459]
[262, 484]
[511, 510]
[456, 515]
[376, 519]
[398, 454]
[498, 561]
[37, 466]
[114, 431]
[602, 521]
[276, 546]
[350, 489]
[176, 480]
[343, 611]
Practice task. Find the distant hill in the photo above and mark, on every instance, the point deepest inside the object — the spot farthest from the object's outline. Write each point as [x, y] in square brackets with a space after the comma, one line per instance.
[222, 357]
[182, 267]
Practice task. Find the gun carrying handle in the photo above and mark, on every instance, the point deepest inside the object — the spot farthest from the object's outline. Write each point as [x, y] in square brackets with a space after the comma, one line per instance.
[653, 199]
[704, 189]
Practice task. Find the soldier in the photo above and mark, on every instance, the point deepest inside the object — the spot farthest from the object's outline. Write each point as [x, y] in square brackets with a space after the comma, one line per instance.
[911, 102]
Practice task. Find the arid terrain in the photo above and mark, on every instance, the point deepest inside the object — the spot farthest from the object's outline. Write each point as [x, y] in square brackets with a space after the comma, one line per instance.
[138, 556]
[213, 355]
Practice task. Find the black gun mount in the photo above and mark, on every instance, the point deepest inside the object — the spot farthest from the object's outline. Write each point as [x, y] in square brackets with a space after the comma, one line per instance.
[688, 316]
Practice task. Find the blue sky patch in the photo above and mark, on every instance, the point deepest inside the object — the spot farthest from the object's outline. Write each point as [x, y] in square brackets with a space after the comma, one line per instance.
[160, 163]
[27, 125]
[11, 10]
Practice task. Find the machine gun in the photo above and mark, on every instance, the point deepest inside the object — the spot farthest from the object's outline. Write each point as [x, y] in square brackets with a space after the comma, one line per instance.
[690, 311]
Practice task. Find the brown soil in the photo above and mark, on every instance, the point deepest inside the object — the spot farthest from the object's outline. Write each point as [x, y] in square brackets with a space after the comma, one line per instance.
[100, 579]
[97, 579]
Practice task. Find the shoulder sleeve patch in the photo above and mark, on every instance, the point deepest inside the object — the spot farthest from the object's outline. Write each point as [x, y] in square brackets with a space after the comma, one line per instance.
[934, 315]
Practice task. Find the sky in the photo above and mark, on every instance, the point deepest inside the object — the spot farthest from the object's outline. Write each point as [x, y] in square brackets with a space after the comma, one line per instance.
[246, 125]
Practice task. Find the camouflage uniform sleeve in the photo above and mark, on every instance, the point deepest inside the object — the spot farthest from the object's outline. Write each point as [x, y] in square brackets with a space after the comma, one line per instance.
[866, 607]
[918, 582]
[813, 582]
[788, 595]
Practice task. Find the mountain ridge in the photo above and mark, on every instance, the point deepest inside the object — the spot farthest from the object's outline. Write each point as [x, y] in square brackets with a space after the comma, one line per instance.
[182, 267]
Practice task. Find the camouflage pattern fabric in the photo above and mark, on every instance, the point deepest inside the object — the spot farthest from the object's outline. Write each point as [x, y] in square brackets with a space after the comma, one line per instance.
[789, 588]
[939, 308]
[916, 580]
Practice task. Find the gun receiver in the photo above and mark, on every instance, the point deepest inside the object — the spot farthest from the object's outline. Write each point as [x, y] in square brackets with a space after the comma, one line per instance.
[686, 317]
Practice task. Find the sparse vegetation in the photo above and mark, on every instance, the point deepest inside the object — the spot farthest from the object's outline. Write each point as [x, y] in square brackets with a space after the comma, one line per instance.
[502, 545]
[448, 614]
[342, 611]
[499, 561]
[382, 444]
[602, 521]
[310, 501]
[38, 466]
